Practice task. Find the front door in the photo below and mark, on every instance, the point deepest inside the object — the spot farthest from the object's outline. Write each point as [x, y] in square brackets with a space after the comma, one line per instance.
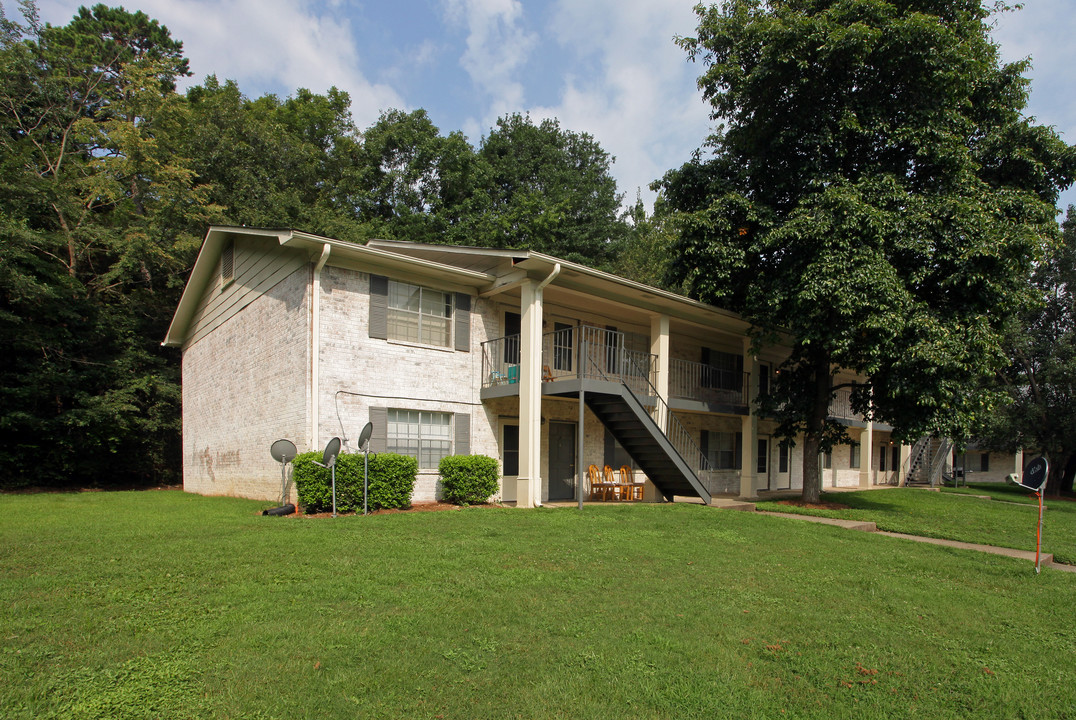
[561, 461]
[763, 464]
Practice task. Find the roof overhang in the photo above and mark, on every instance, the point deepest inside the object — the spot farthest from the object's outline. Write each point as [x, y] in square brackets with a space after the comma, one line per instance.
[341, 254]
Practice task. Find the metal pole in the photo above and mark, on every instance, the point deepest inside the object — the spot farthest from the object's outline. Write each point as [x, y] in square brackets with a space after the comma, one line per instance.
[1038, 537]
[334, 488]
[366, 481]
[580, 435]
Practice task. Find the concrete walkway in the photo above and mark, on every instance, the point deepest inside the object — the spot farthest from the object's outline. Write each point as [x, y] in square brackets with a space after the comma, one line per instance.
[1046, 559]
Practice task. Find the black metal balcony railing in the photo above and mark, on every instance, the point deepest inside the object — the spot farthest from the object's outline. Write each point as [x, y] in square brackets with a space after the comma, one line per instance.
[698, 381]
[841, 406]
[602, 354]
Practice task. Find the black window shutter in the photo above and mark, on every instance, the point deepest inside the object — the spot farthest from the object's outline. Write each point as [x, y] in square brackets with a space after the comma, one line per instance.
[379, 416]
[738, 450]
[463, 434]
[463, 322]
[379, 307]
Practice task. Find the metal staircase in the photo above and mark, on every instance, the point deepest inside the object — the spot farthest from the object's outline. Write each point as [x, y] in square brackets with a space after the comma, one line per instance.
[927, 461]
[637, 432]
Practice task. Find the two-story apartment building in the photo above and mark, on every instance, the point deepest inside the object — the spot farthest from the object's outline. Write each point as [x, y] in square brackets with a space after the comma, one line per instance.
[547, 365]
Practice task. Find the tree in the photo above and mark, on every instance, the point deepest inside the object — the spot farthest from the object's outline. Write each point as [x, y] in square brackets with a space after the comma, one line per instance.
[274, 163]
[646, 252]
[412, 183]
[96, 212]
[550, 190]
[875, 192]
[1040, 381]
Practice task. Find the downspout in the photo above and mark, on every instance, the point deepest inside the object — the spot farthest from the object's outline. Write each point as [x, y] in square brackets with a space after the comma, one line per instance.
[552, 276]
[315, 347]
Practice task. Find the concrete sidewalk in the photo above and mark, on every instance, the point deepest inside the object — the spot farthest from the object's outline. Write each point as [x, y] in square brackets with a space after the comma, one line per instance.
[1046, 559]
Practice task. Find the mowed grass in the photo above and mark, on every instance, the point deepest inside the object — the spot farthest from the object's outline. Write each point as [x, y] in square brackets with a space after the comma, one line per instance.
[1009, 519]
[166, 605]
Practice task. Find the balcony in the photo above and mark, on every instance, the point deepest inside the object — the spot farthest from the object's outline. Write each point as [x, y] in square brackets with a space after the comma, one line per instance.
[582, 352]
[712, 387]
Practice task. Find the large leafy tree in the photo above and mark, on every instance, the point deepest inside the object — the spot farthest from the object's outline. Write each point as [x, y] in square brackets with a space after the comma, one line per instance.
[876, 192]
[550, 190]
[1040, 382]
[97, 215]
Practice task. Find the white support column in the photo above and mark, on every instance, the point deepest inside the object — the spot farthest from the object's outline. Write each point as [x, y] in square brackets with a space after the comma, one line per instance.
[529, 484]
[659, 345]
[866, 450]
[749, 428]
[905, 465]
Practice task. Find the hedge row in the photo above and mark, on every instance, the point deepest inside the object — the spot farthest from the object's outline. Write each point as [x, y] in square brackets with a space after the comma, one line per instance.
[466, 480]
[391, 482]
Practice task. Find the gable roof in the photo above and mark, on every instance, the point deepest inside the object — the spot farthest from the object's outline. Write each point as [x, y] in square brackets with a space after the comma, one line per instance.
[488, 271]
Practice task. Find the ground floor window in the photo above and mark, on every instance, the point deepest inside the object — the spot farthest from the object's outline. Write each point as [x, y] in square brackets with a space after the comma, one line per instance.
[984, 462]
[722, 449]
[853, 460]
[426, 436]
[782, 458]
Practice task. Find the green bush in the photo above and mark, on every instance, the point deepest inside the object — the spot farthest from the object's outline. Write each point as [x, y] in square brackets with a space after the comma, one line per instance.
[391, 481]
[468, 479]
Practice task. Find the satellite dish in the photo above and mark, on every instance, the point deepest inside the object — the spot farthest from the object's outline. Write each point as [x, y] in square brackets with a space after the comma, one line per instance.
[1035, 474]
[283, 451]
[364, 436]
[332, 449]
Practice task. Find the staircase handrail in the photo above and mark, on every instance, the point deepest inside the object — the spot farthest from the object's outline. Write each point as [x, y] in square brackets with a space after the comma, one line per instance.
[914, 457]
[682, 439]
[938, 461]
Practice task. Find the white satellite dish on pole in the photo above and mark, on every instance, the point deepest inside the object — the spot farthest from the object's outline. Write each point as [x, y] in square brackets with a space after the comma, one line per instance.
[328, 460]
[364, 445]
[283, 451]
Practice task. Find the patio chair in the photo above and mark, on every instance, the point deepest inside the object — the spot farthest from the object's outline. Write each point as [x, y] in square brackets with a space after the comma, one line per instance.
[613, 483]
[595, 486]
[628, 484]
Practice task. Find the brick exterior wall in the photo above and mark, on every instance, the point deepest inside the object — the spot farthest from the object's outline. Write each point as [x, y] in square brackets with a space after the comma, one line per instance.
[359, 372]
[245, 386]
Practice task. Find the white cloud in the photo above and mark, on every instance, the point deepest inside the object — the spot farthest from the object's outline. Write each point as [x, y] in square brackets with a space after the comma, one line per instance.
[1044, 31]
[643, 106]
[497, 47]
[264, 44]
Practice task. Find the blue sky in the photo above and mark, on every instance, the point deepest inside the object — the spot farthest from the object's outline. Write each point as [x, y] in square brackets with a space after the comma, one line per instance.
[606, 67]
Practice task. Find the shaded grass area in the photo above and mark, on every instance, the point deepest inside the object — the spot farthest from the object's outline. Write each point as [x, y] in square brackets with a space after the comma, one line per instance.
[140, 605]
[956, 515]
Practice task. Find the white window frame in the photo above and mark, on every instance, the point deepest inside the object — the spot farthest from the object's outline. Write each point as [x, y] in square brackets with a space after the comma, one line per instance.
[421, 314]
[425, 435]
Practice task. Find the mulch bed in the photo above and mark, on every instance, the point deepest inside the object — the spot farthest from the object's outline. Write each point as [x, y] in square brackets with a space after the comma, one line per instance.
[416, 507]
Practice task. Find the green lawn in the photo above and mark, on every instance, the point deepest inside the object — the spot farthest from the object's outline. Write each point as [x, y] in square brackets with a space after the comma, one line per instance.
[160, 604]
[1008, 520]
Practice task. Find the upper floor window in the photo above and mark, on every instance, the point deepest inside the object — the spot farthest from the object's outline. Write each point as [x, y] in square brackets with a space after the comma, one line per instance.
[419, 314]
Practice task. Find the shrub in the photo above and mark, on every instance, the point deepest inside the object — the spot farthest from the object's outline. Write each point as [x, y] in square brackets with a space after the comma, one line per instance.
[468, 479]
[391, 481]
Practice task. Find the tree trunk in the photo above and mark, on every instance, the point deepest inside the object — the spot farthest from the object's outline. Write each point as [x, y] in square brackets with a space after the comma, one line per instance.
[816, 425]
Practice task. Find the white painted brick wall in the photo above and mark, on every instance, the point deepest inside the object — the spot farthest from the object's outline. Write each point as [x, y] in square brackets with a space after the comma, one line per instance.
[245, 386]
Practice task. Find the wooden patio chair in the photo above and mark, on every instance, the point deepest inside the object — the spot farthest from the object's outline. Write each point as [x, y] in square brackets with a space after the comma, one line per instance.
[628, 484]
[595, 486]
[613, 483]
